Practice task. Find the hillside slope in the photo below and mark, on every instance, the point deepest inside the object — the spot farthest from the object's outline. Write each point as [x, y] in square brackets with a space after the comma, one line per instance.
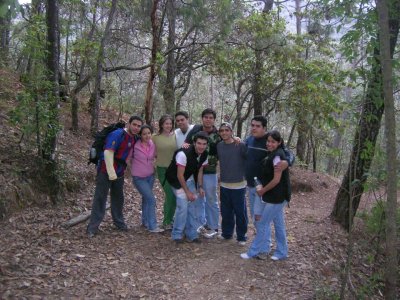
[41, 259]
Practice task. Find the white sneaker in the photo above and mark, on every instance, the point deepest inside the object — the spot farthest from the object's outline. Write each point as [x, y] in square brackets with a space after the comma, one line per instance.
[273, 257]
[157, 230]
[220, 237]
[208, 234]
[201, 229]
[244, 256]
[241, 243]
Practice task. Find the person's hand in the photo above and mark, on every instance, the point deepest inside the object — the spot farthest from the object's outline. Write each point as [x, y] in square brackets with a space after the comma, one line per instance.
[185, 145]
[236, 140]
[191, 196]
[260, 192]
[201, 191]
[112, 177]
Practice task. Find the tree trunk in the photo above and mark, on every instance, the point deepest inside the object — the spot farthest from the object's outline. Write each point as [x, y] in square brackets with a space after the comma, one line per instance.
[148, 106]
[302, 127]
[64, 89]
[50, 141]
[332, 160]
[53, 58]
[289, 140]
[301, 145]
[352, 187]
[82, 82]
[256, 86]
[391, 159]
[169, 86]
[5, 22]
[257, 95]
[94, 124]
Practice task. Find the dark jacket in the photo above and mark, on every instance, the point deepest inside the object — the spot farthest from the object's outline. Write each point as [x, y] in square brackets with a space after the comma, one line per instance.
[282, 190]
[192, 166]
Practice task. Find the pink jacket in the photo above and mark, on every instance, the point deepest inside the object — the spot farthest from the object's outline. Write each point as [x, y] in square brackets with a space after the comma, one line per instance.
[142, 162]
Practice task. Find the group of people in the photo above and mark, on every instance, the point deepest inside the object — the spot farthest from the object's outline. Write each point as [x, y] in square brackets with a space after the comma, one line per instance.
[185, 161]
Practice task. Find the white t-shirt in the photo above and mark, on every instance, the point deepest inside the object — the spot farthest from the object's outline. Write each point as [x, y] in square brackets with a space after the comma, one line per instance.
[181, 160]
[276, 160]
[180, 136]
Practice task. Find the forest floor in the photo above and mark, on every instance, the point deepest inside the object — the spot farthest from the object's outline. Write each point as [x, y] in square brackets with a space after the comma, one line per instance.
[42, 260]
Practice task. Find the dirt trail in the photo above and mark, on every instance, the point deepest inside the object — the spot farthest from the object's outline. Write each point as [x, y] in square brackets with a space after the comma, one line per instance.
[42, 260]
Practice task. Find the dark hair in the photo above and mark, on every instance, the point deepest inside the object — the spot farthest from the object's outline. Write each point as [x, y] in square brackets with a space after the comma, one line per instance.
[276, 135]
[200, 135]
[182, 113]
[209, 111]
[144, 127]
[134, 117]
[162, 121]
[260, 118]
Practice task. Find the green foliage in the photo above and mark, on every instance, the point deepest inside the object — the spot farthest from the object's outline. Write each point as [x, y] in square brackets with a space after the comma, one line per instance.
[375, 282]
[325, 292]
[375, 220]
[8, 7]
[35, 108]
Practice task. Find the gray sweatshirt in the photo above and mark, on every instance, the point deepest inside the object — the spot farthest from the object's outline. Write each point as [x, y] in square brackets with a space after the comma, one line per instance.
[231, 161]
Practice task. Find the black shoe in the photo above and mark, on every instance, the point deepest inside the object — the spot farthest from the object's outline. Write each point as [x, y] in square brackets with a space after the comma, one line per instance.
[123, 228]
[90, 234]
[178, 241]
[195, 241]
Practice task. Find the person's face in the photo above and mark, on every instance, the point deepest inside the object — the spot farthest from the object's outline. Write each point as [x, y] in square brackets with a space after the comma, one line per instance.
[225, 133]
[200, 146]
[272, 145]
[167, 126]
[257, 130]
[182, 122]
[134, 127]
[145, 136]
[208, 120]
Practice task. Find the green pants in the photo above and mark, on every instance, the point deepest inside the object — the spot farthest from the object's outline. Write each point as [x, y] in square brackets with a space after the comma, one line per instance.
[170, 201]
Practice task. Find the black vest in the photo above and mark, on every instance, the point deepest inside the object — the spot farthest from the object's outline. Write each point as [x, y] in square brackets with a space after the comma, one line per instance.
[282, 190]
[192, 166]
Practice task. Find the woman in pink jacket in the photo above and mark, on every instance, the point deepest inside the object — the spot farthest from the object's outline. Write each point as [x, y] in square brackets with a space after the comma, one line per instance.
[142, 170]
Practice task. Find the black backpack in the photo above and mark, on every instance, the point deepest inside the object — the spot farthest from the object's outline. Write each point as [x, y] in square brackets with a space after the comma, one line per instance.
[99, 141]
[289, 155]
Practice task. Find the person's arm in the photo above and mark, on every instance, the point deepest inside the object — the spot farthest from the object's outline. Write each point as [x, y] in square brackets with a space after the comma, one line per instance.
[200, 182]
[109, 160]
[281, 166]
[182, 181]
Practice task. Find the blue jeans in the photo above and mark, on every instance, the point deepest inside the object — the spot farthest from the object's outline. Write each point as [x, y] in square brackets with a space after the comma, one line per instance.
[186, 220]
[233, 210]
[252, 198]
[145, 187]
[103, 186]
[270, 213]
[211, 200]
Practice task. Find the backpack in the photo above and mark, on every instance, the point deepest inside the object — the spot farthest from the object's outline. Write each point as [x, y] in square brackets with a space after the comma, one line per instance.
[99, 141]
[289, 155]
